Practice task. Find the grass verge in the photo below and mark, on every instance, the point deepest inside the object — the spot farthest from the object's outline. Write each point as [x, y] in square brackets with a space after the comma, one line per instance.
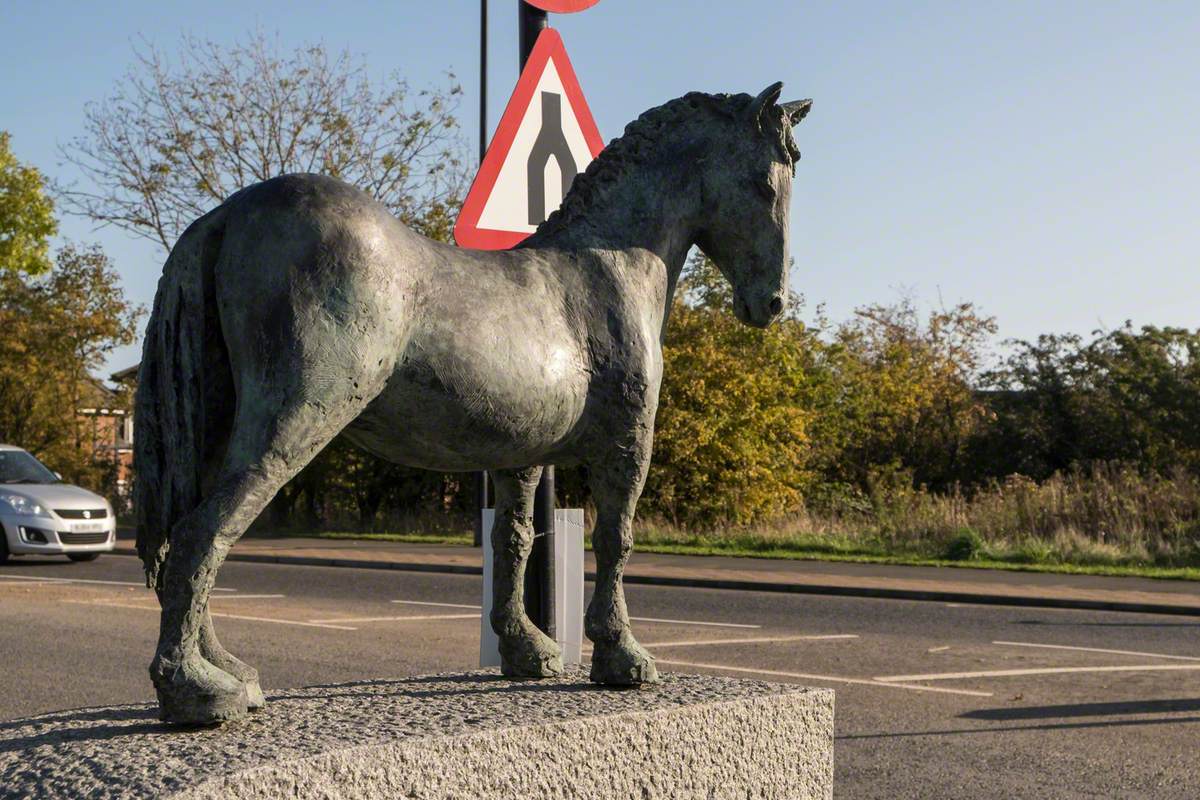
[827, 550]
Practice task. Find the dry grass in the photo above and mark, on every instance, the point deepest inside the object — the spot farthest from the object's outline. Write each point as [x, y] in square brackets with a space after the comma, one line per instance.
[1106, 519]
[1109, 515]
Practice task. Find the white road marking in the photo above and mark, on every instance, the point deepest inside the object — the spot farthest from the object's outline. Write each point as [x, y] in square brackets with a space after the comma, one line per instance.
[247, 596]
[1005, 673]
[634, 619]
[1098, 650]
[394, 619]
[50, 579]
[217, 614]
[694, 622]
[825, 678]
[753, 640]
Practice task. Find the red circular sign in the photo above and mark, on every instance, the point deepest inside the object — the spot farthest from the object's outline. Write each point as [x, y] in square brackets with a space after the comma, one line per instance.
[563, 6]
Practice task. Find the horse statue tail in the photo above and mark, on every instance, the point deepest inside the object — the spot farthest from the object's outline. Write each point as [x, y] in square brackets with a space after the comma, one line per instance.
[184, 370]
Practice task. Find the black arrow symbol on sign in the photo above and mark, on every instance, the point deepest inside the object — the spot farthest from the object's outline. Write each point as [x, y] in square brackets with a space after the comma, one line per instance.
[550, 142]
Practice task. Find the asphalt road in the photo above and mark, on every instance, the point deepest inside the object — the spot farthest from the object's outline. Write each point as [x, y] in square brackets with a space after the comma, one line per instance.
[933, 700]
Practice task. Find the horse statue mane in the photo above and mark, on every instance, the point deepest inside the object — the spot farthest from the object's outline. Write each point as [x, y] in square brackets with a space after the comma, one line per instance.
[640, 141]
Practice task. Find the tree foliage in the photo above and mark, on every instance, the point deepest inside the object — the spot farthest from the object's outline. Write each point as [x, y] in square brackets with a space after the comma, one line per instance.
[55, 330]
[177, 138]
[731, 436]
[26, 215]
[1129, 395]
[756, 423]
[900, 394]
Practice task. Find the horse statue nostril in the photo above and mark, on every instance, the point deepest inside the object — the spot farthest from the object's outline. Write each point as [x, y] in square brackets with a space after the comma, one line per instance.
[776, 305]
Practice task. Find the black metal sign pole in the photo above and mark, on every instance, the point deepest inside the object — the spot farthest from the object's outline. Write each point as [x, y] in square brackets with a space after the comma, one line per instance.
[539, 573]
[481, 479]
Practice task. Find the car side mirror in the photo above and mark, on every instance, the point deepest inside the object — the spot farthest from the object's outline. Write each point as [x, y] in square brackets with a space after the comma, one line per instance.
[58, 475]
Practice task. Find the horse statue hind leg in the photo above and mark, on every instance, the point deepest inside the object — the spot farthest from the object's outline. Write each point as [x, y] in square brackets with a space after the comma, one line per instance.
[296, 390]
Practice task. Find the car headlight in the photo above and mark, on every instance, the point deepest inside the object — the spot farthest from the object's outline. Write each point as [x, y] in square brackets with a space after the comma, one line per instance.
[23, 505]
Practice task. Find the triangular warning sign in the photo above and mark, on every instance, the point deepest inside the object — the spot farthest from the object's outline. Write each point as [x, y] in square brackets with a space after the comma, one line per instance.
[546, 136]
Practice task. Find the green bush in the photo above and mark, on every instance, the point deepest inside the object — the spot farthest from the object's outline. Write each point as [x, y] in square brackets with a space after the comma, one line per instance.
[966, 545]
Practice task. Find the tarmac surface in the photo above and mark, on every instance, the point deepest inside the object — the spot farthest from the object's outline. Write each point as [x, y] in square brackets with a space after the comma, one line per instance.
[1004, 587]
[934, 699]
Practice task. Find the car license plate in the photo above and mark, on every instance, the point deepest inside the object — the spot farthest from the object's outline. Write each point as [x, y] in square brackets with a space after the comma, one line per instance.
[88, 527]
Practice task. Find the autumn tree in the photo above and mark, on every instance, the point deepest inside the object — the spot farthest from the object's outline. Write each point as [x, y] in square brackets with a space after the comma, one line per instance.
[901, 395]
[731, 438]
[179, 136]
[56, 330]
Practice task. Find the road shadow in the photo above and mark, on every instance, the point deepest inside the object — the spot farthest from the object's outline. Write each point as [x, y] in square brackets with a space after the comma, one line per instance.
[1104, 709]
[1065, 726]
[1107, 624]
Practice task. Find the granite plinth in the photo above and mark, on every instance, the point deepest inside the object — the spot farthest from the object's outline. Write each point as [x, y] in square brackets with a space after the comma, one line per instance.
[467, 735]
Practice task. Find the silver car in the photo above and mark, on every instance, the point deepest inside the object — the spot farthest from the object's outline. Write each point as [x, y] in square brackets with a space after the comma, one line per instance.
[41, 515]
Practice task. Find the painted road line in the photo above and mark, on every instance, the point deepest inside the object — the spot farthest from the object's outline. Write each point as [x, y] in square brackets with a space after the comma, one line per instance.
[694, 622]
[753, 640]
[1006, 673]
[394, 619]
[1098, 650]
[217, 614]
[826, 678]
[634, 619]
[247, 596]
[50, 579]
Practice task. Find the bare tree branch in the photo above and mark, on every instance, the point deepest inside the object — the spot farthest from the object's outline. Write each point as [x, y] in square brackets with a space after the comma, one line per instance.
[177, 138]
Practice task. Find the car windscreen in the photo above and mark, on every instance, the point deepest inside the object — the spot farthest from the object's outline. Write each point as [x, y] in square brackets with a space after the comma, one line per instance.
[17, 466]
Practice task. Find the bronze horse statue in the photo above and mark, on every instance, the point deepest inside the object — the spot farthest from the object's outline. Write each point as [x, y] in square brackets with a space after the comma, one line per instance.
[300, 309]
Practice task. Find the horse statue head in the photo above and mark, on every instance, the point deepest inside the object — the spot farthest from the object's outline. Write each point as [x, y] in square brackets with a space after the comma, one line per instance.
[713, 170]
[748, 185]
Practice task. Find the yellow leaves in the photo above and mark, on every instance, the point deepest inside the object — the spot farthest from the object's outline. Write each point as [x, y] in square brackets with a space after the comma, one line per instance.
[730, 436]
[751, 421]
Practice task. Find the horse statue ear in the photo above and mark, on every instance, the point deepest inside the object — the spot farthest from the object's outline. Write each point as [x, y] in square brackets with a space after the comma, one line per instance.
[796, 110]
[765, 100]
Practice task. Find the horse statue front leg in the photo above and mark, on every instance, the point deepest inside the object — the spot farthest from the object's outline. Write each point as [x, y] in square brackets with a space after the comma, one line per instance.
[616, 484]
[525, 652]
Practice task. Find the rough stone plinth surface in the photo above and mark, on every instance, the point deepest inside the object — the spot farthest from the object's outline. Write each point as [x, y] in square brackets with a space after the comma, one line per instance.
[472, 735]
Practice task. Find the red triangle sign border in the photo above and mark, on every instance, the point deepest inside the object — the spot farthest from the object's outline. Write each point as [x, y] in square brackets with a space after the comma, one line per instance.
[548, 47]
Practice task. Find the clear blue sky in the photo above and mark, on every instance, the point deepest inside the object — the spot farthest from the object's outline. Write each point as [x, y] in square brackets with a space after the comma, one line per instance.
[1041, 159]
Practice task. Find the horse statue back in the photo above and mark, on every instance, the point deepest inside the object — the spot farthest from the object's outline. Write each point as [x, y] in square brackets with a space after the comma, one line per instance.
[300, 309]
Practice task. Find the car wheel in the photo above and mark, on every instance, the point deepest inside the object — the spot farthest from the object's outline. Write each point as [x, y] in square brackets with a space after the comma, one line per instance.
[83, 556]
[3, 547]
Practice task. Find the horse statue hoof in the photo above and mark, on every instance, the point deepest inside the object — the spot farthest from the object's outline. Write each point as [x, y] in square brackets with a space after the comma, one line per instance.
[246, 675]
[200, 694]
[622, 663]
[530, 656]
[254, 695]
